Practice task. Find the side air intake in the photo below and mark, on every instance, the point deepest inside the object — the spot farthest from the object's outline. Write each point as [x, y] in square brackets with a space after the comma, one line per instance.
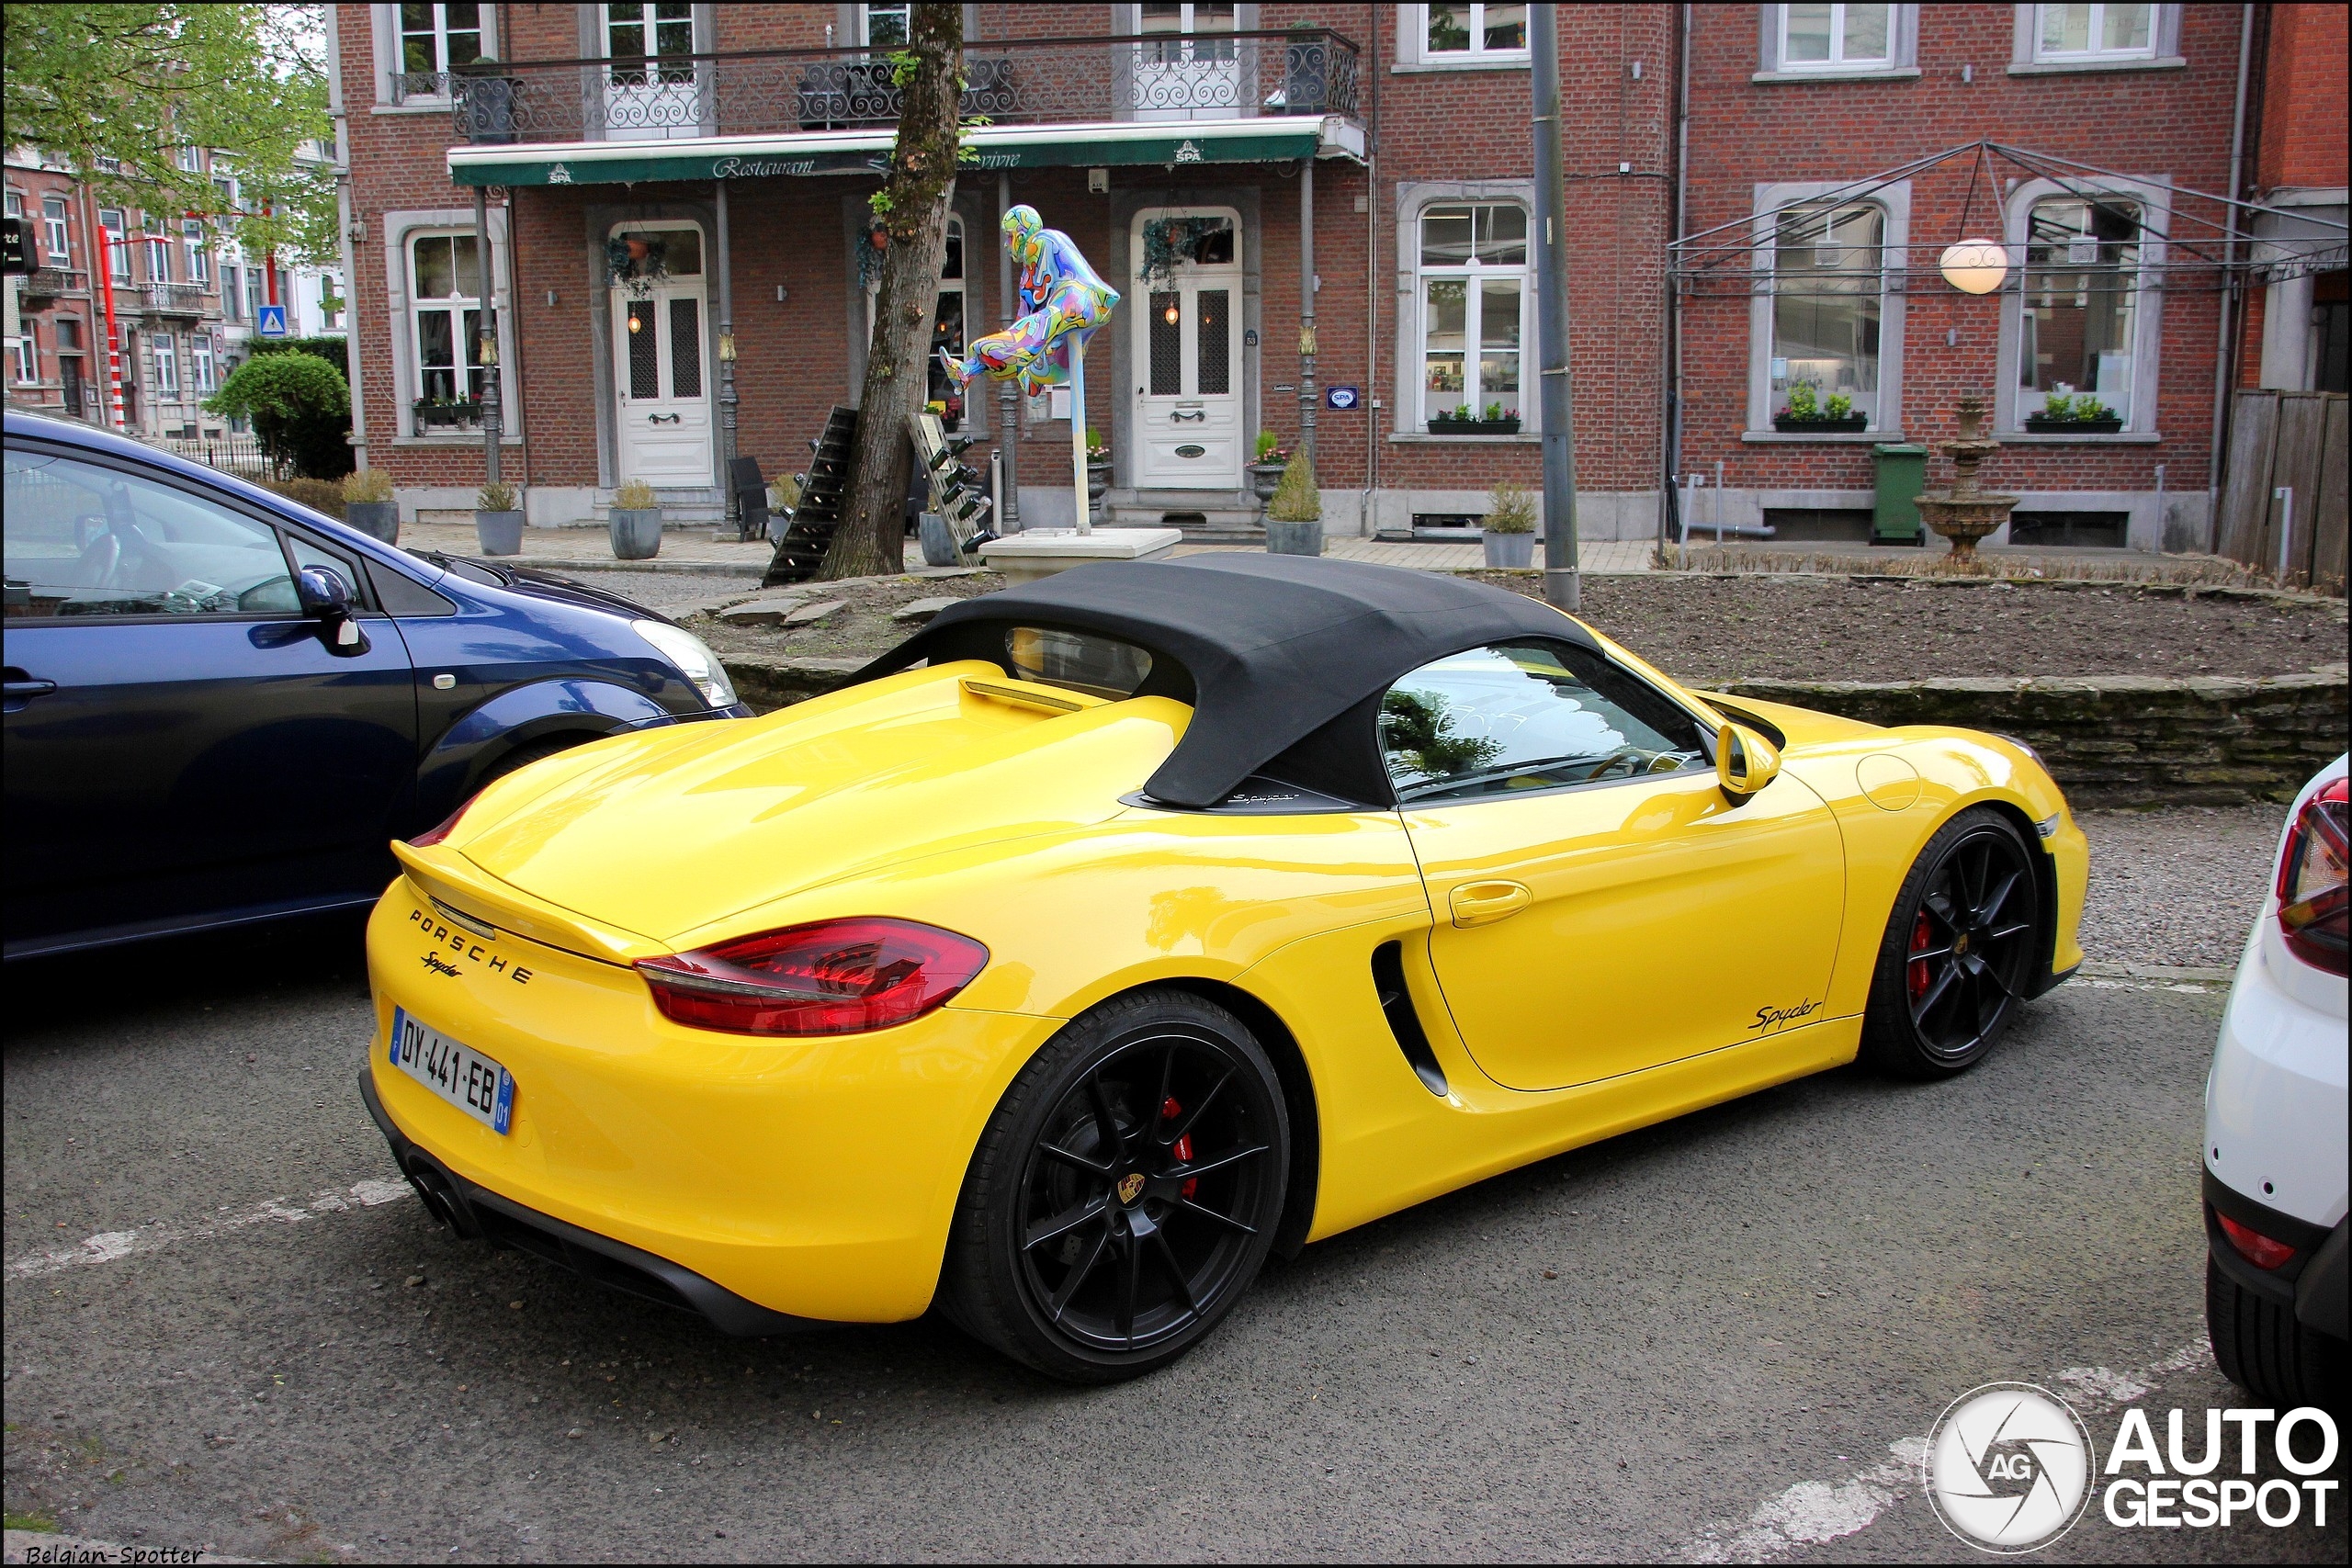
[1397, 1003]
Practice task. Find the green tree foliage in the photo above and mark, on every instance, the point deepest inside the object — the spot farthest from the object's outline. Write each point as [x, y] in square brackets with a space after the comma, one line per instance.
[1296, 498]
[1417, 738]
[120, 90]
[300, 407]
[335, 351]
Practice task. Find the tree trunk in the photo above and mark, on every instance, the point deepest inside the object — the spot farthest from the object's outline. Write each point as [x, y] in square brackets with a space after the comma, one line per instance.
[912, 208]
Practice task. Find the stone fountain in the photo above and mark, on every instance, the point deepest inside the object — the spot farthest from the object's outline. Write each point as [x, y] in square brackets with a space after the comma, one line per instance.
[1965, 514]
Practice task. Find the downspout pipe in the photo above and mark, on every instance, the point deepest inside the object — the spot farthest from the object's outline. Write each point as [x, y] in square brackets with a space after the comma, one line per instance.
[340, 116]
[1671, 414]
[2225, 357]
[1372, 432]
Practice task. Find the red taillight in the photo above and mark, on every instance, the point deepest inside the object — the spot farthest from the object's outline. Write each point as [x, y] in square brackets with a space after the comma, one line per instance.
[2258, 1249]
[2311, 872]
[433, 836]
[832, 978]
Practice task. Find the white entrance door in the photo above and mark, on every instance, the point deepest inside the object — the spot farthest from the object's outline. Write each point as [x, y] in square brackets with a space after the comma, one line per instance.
[652, 86]
[1188, 355]
[663, 385]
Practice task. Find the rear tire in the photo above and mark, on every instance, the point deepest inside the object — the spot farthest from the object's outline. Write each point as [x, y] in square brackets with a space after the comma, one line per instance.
[1959, 949]
[1095, 1256]
[2260, 1346]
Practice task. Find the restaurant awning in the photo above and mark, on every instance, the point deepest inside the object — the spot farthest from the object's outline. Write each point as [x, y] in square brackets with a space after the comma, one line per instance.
[1256, 139]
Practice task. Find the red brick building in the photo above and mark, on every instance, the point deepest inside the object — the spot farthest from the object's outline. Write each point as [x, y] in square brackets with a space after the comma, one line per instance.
[676, 201]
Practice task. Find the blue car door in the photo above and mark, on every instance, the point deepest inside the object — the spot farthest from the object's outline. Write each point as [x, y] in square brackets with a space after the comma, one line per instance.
[184, 745]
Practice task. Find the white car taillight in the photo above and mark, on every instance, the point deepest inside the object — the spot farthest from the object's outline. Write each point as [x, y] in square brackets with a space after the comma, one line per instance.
[2311, 874]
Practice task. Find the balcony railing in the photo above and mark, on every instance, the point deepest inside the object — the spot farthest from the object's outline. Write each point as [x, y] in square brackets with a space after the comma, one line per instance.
[172, 298]
[1159, 77]
[45, 283]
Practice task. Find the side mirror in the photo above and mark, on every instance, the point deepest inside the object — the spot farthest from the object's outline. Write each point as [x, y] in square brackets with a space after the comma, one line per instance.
[1745, 763]
[326, 598]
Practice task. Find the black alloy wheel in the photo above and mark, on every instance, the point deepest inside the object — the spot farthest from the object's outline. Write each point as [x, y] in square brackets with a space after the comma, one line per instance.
[1125, 1194]
[1958, 951]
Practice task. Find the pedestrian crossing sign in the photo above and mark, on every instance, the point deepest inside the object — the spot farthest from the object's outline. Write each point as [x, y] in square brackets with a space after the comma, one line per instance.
[271, 322]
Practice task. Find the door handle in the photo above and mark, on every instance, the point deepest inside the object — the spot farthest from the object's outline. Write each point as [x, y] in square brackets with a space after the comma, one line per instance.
[662, 418]
[1484, 903]
[1179, 416]
[24, 691]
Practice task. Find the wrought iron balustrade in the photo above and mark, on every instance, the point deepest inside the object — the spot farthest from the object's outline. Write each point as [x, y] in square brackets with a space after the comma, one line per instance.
[173, 298]
[43, 284]
[1156, 77]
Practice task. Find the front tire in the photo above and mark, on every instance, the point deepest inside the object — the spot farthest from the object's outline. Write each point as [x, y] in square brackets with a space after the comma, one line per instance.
[1959, 949]
[1125, 1193]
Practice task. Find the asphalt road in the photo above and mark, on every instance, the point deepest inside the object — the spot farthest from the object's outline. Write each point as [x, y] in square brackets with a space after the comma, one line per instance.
[1752, 1306]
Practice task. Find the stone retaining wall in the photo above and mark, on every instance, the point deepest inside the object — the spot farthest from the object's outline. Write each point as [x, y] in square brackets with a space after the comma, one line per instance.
[2120, 740]
[2109, 739]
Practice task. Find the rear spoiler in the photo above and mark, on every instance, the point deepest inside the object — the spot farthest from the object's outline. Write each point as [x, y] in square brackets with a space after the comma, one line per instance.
[467, 893]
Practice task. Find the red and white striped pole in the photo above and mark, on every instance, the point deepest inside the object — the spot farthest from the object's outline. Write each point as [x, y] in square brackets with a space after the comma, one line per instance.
[114, 337]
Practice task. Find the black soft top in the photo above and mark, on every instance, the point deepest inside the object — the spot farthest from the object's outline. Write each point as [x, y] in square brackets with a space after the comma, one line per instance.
[1284, 659]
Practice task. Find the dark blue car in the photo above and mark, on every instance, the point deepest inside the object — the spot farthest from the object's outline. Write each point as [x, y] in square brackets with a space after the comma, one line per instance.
[223, 706]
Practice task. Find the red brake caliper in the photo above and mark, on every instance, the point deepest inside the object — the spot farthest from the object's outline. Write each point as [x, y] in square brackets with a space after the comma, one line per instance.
[1917, 974]
[1168, 1111]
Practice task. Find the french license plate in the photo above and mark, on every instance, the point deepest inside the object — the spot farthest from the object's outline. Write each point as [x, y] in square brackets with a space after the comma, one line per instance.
[455, 1071]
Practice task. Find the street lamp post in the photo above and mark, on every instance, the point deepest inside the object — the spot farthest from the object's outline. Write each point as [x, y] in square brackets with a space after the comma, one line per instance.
[1563, 584]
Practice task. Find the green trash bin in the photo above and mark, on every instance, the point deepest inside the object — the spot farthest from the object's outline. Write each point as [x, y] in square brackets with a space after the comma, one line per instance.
[1902, 475]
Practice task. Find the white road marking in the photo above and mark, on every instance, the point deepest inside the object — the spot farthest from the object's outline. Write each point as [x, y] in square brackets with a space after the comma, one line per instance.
[109, 1246]
[1813, 1512]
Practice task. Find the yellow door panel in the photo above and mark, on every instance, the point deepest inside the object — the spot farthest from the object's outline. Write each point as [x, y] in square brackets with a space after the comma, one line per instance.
[1652, 921]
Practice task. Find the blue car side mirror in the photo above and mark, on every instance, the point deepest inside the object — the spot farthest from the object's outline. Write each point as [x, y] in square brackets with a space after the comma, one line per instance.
[327, 599]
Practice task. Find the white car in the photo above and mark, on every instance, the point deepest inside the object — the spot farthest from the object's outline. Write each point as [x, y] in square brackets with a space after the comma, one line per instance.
[2275, 1125]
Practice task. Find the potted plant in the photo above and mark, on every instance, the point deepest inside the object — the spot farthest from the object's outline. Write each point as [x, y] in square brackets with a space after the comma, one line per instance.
[1266, 473]
[1805, 411]
[498, 519]
[431, 411]
[1098, 467]
[368, 506]
[636, 522]
[1494, 420]
[2077, 414]
[1295, 516]
[1510, 526]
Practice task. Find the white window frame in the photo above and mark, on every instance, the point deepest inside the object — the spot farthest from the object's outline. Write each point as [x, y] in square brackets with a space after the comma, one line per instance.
[1902, 62]
[2155, 202]
[1472, 272]
[199, 251]
[1894, 201]
[1413, 52]
[402, 228]
[57, 229]
[24, 357]
[2100, 48]
[166, 347]
[191, 161]
[118, 257]
[2163, 53]
[1838, 61]
[865, 24]
[159, 251]
[388, 41]
[201, 371]
[331, 287]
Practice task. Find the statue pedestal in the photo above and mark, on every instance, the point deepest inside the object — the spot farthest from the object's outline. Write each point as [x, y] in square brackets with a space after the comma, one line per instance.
[1040, 552]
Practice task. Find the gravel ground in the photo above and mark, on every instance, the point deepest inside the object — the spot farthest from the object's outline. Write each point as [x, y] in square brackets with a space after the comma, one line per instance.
[1707, 629]
[1828, 629]
[2178, 887]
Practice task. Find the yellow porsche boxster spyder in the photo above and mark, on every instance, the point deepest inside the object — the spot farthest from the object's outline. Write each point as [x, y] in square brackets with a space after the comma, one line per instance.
[1116, 929]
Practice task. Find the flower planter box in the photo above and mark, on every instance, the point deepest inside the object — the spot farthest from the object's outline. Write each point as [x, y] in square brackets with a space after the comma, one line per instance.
[2042, 424]
[1265, 478]
[1820, 424]
[1475, 426]
[376, 519]
[1293, 539]
[499, 533]
[636, 531]
[1098, 481]
[430, 414]
[1509, 549]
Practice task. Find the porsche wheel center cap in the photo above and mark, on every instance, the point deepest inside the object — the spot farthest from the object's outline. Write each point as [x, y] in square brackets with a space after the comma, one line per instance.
[1131, 1187]
[1959, 945]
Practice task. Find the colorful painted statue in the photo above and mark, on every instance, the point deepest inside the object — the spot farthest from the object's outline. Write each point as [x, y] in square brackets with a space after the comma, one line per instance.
[1063, 301]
